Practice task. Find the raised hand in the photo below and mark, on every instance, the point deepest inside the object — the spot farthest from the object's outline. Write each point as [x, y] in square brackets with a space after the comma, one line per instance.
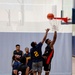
[47, 29]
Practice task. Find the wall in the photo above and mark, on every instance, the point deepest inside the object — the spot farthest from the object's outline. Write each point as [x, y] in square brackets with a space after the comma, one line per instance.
[35, 13]
[61, 63]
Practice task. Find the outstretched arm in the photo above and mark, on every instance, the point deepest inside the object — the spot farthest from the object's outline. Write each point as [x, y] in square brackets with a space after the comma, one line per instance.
[47, 30]
[54, 39]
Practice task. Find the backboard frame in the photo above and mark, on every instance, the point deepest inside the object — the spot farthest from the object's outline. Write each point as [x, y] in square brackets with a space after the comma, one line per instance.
[62, 12]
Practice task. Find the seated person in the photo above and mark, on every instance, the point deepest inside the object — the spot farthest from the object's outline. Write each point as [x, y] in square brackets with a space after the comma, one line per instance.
[15, 65]
[27, 55]
[22, 67]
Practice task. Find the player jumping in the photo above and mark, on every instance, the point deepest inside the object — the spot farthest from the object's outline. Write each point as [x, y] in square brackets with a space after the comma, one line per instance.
[36, 55]
[48, 54]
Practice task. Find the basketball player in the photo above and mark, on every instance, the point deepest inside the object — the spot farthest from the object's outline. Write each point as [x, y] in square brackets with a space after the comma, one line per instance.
[48, 54]
[17, 53]
[28, 61]
[27, 54]
[36, 55]
[22, 67]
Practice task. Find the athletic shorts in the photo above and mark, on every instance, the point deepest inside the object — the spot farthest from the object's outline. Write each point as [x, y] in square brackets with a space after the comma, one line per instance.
[37, 66]
[47, 67]
[22, 69]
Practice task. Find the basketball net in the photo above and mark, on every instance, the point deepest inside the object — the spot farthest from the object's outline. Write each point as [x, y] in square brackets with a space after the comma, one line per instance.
[54, 25]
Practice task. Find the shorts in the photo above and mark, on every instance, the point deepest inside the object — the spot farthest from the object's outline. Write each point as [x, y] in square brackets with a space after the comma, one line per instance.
[22, 69]
[37, 66]
[47, 67]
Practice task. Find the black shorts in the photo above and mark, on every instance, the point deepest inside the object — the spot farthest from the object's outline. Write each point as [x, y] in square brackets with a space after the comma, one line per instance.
[22, 68]
[47, 67]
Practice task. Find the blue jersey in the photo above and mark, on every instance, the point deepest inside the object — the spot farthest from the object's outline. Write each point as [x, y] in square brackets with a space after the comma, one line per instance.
[29, 61]
[27, 55]
[36, 53]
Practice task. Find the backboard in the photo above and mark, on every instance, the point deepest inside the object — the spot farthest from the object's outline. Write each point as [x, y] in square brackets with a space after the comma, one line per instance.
[67, 10]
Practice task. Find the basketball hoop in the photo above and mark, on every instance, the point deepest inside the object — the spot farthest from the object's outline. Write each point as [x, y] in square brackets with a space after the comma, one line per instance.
[54, 25]
[53, 22]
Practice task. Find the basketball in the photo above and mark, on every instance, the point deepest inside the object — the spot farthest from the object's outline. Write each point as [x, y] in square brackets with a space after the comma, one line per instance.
[50, 16]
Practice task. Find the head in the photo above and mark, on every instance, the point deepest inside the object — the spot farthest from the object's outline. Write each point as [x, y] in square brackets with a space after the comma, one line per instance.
[33, 44]
[18, 47]
[27, 50]
[23, 60]
[48, 41]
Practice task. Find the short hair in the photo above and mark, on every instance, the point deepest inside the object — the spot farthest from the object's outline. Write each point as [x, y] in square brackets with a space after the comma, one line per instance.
[46, 41]
[26, 48]
[17, 45]
[33, 44]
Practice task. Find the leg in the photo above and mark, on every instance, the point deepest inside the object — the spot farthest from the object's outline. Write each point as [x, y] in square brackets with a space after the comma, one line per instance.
[34, 73]
[34, 68]
[15, 72]
[40, 67]
[27, 71]
[31, 73]
[47, 68]
[46, 73]
[39, 73]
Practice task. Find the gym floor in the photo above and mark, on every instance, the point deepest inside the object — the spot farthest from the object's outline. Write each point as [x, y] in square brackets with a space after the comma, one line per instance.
[73, 65]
